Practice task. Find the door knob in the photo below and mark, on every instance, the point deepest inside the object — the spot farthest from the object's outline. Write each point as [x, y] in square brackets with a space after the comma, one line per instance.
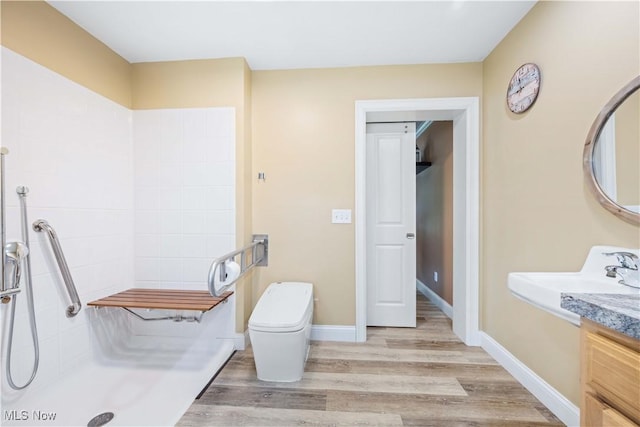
[411, 236]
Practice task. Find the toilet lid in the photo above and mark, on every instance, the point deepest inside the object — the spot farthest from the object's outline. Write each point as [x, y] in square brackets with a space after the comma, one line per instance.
[283, 307]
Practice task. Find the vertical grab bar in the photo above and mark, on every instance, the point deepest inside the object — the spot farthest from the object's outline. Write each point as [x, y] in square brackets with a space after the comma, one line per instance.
[42, 225]
[5, 291]
[3, 288]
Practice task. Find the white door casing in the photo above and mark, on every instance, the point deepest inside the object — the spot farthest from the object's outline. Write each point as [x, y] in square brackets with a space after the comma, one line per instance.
[465, 113]
[391, 224]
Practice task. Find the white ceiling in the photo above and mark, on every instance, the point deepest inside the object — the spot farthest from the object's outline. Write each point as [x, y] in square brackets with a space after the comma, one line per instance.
[299, 34]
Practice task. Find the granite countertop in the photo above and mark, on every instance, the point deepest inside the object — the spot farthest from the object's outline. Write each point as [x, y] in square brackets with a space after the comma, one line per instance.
[615, 311]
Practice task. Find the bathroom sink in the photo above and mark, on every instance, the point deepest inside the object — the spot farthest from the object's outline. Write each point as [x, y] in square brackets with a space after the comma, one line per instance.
[543, 290]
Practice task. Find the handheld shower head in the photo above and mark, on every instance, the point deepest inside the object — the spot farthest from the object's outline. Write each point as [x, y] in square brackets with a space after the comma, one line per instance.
[16, 250]
[14, 253]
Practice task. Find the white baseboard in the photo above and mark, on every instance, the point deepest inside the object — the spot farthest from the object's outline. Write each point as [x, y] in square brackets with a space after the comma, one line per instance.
[241, 341]
[435, 298]
[333, 333]
[561, 407]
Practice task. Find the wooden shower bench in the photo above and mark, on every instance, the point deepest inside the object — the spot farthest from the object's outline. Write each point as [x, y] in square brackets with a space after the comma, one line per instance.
[162, 299]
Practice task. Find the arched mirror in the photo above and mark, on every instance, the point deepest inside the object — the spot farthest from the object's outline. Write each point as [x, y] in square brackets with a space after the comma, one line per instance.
[611, 160]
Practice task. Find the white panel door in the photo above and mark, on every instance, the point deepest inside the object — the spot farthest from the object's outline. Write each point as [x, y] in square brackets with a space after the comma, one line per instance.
[391, 224]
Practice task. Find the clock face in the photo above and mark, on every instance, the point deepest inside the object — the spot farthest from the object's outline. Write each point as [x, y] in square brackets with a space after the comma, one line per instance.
[523, 88]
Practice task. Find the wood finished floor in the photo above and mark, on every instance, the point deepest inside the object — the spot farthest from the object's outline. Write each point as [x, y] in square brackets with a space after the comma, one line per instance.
[399, 377]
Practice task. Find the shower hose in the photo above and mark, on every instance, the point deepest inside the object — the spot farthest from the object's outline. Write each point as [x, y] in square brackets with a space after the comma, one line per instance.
[22, 193]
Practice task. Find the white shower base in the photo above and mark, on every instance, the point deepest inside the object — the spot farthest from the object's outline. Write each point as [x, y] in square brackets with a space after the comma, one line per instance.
[137, 397]
[147, 376]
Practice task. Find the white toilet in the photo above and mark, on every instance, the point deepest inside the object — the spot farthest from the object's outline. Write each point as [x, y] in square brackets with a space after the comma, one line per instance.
[280, 331]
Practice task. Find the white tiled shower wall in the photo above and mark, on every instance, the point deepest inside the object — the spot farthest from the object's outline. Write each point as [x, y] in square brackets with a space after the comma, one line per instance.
[95, 171]
[185, 194]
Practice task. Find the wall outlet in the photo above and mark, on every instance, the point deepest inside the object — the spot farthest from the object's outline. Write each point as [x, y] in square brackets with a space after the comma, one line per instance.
[341, 216]
[435, 276]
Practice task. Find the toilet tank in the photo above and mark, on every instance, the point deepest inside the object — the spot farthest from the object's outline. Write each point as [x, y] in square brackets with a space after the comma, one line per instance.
[283, 307]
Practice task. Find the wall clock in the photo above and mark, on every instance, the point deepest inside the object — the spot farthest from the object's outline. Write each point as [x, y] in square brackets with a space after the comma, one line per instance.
[523, 88]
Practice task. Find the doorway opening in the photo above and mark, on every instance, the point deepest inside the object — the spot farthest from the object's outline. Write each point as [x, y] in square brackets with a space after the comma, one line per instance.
[465, 114]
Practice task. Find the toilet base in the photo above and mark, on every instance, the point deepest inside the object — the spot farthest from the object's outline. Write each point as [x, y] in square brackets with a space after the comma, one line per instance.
[280, 357]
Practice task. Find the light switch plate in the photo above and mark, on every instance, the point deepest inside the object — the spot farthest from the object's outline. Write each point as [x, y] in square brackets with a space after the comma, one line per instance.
[341, 216]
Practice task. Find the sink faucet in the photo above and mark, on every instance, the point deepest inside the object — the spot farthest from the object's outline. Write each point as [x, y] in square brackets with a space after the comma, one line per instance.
[628, 268]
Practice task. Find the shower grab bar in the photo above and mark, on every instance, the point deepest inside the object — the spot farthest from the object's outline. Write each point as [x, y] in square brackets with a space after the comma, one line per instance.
[259, 257]
[40, 226]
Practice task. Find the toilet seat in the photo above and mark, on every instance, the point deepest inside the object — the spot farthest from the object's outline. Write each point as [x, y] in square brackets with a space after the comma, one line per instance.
[283, 307]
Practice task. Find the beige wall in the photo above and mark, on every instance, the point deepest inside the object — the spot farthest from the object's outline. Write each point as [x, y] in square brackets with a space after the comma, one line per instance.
[244, 162]
[434, 206]
[537, 213]
[39, 32]
[209, 83]
[189, 84]
[303, 139]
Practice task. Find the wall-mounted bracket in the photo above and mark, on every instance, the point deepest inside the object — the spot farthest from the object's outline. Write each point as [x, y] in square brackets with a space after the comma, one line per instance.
[262, 251]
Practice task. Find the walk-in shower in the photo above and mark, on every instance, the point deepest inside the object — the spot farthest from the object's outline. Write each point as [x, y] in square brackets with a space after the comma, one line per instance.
[153, 202]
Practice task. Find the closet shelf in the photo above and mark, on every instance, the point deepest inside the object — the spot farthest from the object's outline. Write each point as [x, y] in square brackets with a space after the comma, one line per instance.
[421, 166]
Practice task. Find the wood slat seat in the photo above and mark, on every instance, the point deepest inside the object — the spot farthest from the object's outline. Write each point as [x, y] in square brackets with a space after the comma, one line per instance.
[167, 299]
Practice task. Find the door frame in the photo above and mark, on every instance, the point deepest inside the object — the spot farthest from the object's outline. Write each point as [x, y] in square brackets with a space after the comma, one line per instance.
[465, 114]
